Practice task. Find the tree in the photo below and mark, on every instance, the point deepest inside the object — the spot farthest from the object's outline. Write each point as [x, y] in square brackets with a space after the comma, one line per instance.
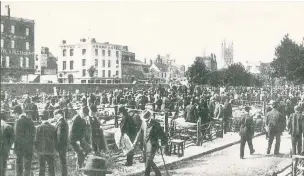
[216, 78]
[197, 72]
[92, 70]
[289, 60]
[236, 75]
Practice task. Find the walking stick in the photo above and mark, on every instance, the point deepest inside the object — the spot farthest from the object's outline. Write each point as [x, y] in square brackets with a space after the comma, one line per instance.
[161, 152]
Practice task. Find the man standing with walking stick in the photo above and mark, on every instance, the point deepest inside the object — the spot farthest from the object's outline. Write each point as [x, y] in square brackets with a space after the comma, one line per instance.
[152, 132]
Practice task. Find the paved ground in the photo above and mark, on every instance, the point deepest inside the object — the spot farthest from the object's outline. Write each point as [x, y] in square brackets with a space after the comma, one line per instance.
[227, 162]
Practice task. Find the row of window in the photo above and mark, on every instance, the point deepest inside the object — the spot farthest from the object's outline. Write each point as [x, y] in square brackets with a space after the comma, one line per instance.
[12, 30]
[27, 44]
[84, 73]
[64, 66]
[100, 81]
[84, 52]
[23, 62]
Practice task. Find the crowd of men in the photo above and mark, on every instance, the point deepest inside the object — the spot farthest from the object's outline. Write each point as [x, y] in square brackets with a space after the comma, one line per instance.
[62, 127]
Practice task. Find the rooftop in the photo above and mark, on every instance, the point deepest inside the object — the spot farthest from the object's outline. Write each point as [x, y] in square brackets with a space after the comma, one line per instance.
[18, 19]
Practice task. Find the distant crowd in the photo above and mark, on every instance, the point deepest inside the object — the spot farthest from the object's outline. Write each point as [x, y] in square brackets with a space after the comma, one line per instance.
[50, 124]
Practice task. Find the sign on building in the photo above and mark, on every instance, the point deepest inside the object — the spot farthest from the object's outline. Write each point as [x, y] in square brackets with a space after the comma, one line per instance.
[43, 61]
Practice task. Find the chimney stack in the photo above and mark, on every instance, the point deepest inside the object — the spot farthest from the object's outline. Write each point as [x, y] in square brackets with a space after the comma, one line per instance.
[145, 60]
[151, 62]
[8, 11]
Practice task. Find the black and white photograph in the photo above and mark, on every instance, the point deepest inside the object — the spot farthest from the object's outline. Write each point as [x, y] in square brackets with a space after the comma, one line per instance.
[151, 87]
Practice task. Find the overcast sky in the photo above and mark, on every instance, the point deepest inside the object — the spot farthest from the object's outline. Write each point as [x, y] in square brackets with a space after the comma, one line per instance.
[182, 29]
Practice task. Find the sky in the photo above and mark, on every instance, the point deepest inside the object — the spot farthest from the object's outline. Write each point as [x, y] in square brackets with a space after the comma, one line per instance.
[183, 30]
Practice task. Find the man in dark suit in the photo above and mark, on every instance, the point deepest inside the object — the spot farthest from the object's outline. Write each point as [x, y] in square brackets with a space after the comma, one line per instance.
[95, 133]
[78, 134]
[127, 126]
[61, 145]
[227, 110]
[276, 123]
[191, 114]
[24, 142]
[150, 132]
[295, 125]
[246, 132]
[63, 104]
[32, 110]
[45, 146]
[7, 138]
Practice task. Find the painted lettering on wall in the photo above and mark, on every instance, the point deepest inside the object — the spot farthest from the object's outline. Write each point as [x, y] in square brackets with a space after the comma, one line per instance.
[15, 37]
[17, 52]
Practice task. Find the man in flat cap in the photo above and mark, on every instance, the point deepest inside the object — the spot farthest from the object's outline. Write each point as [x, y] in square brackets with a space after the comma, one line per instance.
[61, 145]
[127, 126]
[151, 132]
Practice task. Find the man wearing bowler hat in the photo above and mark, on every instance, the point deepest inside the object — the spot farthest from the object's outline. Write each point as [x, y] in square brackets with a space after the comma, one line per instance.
[151, 132]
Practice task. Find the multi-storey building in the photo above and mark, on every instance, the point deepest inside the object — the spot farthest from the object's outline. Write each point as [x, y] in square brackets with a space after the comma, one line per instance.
[17, 47]
[164, 69]
[91, 62]
[257, 67]
[46, 62]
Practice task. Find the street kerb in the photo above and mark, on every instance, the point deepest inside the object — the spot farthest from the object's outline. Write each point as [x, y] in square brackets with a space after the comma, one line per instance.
[193, 156]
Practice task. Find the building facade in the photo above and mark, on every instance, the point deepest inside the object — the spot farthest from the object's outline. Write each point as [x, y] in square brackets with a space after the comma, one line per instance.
[164, 69]
[257, 67]
[46, 62]
[91, 62]
[17, 47]
[134, 71]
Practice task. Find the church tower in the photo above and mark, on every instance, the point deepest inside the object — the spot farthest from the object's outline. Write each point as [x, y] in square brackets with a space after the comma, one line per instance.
[227, 53]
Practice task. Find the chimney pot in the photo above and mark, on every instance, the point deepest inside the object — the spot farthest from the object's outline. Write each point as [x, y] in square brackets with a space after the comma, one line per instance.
[63, 41]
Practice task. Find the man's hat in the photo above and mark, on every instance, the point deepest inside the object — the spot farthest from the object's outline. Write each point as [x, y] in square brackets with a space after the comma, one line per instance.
[297, 108]
[247, 108]
[17, 109]
[58, 111]
[146, 114]
[121, 109]
[96, 164]
[85, 110]
[93, 108]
